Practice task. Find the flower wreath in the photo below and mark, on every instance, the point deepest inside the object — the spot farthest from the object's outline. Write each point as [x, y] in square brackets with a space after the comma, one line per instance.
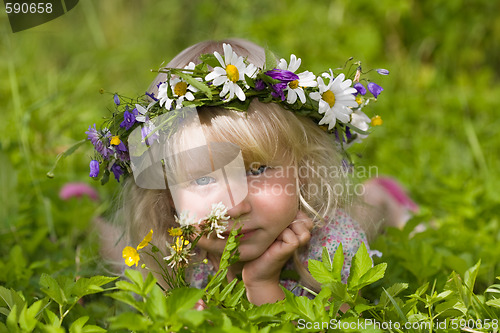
[231, 82]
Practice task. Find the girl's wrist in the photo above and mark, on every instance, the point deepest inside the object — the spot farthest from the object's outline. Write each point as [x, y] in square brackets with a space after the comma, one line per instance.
[264, 292]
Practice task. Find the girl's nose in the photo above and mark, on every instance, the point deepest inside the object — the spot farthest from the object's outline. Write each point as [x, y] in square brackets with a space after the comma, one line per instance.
[242, 208]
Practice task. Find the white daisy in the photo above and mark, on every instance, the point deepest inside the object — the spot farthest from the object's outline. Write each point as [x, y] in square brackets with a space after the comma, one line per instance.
[232, 70]
[335, 99]
[142, 116]
[180, 90]
[360, 120]
[295, 88]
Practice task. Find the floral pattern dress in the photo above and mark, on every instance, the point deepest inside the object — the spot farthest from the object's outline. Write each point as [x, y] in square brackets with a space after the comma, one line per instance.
[340, 228]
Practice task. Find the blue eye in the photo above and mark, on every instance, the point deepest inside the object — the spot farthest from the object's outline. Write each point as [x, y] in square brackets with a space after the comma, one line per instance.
[257, 171]
[204, 181]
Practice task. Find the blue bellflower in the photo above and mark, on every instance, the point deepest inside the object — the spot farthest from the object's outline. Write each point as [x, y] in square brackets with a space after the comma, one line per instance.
[360, 88]
[94, 168]
[375, 89]
[117, 171]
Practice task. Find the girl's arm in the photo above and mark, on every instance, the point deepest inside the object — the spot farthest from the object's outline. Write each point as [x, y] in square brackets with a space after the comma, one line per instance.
[261, 276]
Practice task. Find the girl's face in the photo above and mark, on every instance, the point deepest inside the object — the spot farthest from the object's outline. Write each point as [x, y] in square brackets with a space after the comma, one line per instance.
[270, 206]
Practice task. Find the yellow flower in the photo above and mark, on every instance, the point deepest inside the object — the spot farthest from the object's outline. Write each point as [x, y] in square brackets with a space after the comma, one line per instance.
[115, 140]
[377, 121]
[180, 243]
[175, 232]
[146, 240]
[131, 256]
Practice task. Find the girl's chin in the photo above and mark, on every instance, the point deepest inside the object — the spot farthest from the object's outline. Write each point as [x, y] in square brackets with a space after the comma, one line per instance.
[249, 253]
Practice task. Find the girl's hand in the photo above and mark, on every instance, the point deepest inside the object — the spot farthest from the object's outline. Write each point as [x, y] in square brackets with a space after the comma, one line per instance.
[261, 276]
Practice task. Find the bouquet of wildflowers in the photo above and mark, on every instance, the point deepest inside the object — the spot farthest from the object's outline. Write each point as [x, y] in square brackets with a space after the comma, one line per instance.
[185, 237]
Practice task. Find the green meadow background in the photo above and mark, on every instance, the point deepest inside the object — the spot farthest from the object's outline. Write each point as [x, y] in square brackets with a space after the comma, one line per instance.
[440, 108]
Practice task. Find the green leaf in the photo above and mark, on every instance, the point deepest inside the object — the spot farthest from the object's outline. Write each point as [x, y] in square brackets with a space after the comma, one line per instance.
[182, 299]
[66, 153]
[494, 303]
[10, 298]
[27, 317]
[373, 275]
[325, 257]
[396, 307]
[237, 295]
[93, 329]
[469, 281]
[193, 318]
[127, 286]
[130, 322]
[227, 290]
[88, 286]
[156, 303]
[451, 308]
[265, 312]
[149, 283]
[361, 263]
[51, 318]
[77, 325]
[393, 290]
[51, 287]
[12, 320]
[127, 298]
[319, 272]
[210, 60]
[337, 263]
[271, 61]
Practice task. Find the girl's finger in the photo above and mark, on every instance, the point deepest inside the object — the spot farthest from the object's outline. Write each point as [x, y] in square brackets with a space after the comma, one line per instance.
[302, 232]
[288, 239]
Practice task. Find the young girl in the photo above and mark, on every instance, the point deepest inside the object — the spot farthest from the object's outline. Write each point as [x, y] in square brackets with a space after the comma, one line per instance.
[294, 197]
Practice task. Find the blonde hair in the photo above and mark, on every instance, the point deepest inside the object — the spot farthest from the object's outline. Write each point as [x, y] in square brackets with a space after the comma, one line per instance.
[267, 134]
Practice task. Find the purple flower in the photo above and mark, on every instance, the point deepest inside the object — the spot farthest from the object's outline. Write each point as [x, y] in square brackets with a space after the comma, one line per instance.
[348, 133]
[117, 171]
[278, 90]
[146, 129]
[96, 138]
[375, 89]
[117, 99]
[128, 120]
[360, 88]
[382, 71]
[78, 190]
[123, 156]
[260, 85]
[121, 147]
[282, 75]
[152, 96]
[94, 168]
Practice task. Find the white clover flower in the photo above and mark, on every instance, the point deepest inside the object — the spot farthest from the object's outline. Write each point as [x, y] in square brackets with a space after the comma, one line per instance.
[216, 220]
[184, 220]
[295, 87]
[335, 99]
[180, 90]
[232, 70]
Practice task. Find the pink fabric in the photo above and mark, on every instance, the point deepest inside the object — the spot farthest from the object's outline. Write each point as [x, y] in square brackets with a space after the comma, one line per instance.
[397, 192]
[78, 190]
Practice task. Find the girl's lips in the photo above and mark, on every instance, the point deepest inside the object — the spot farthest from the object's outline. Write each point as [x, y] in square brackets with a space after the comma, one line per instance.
[247, 234]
